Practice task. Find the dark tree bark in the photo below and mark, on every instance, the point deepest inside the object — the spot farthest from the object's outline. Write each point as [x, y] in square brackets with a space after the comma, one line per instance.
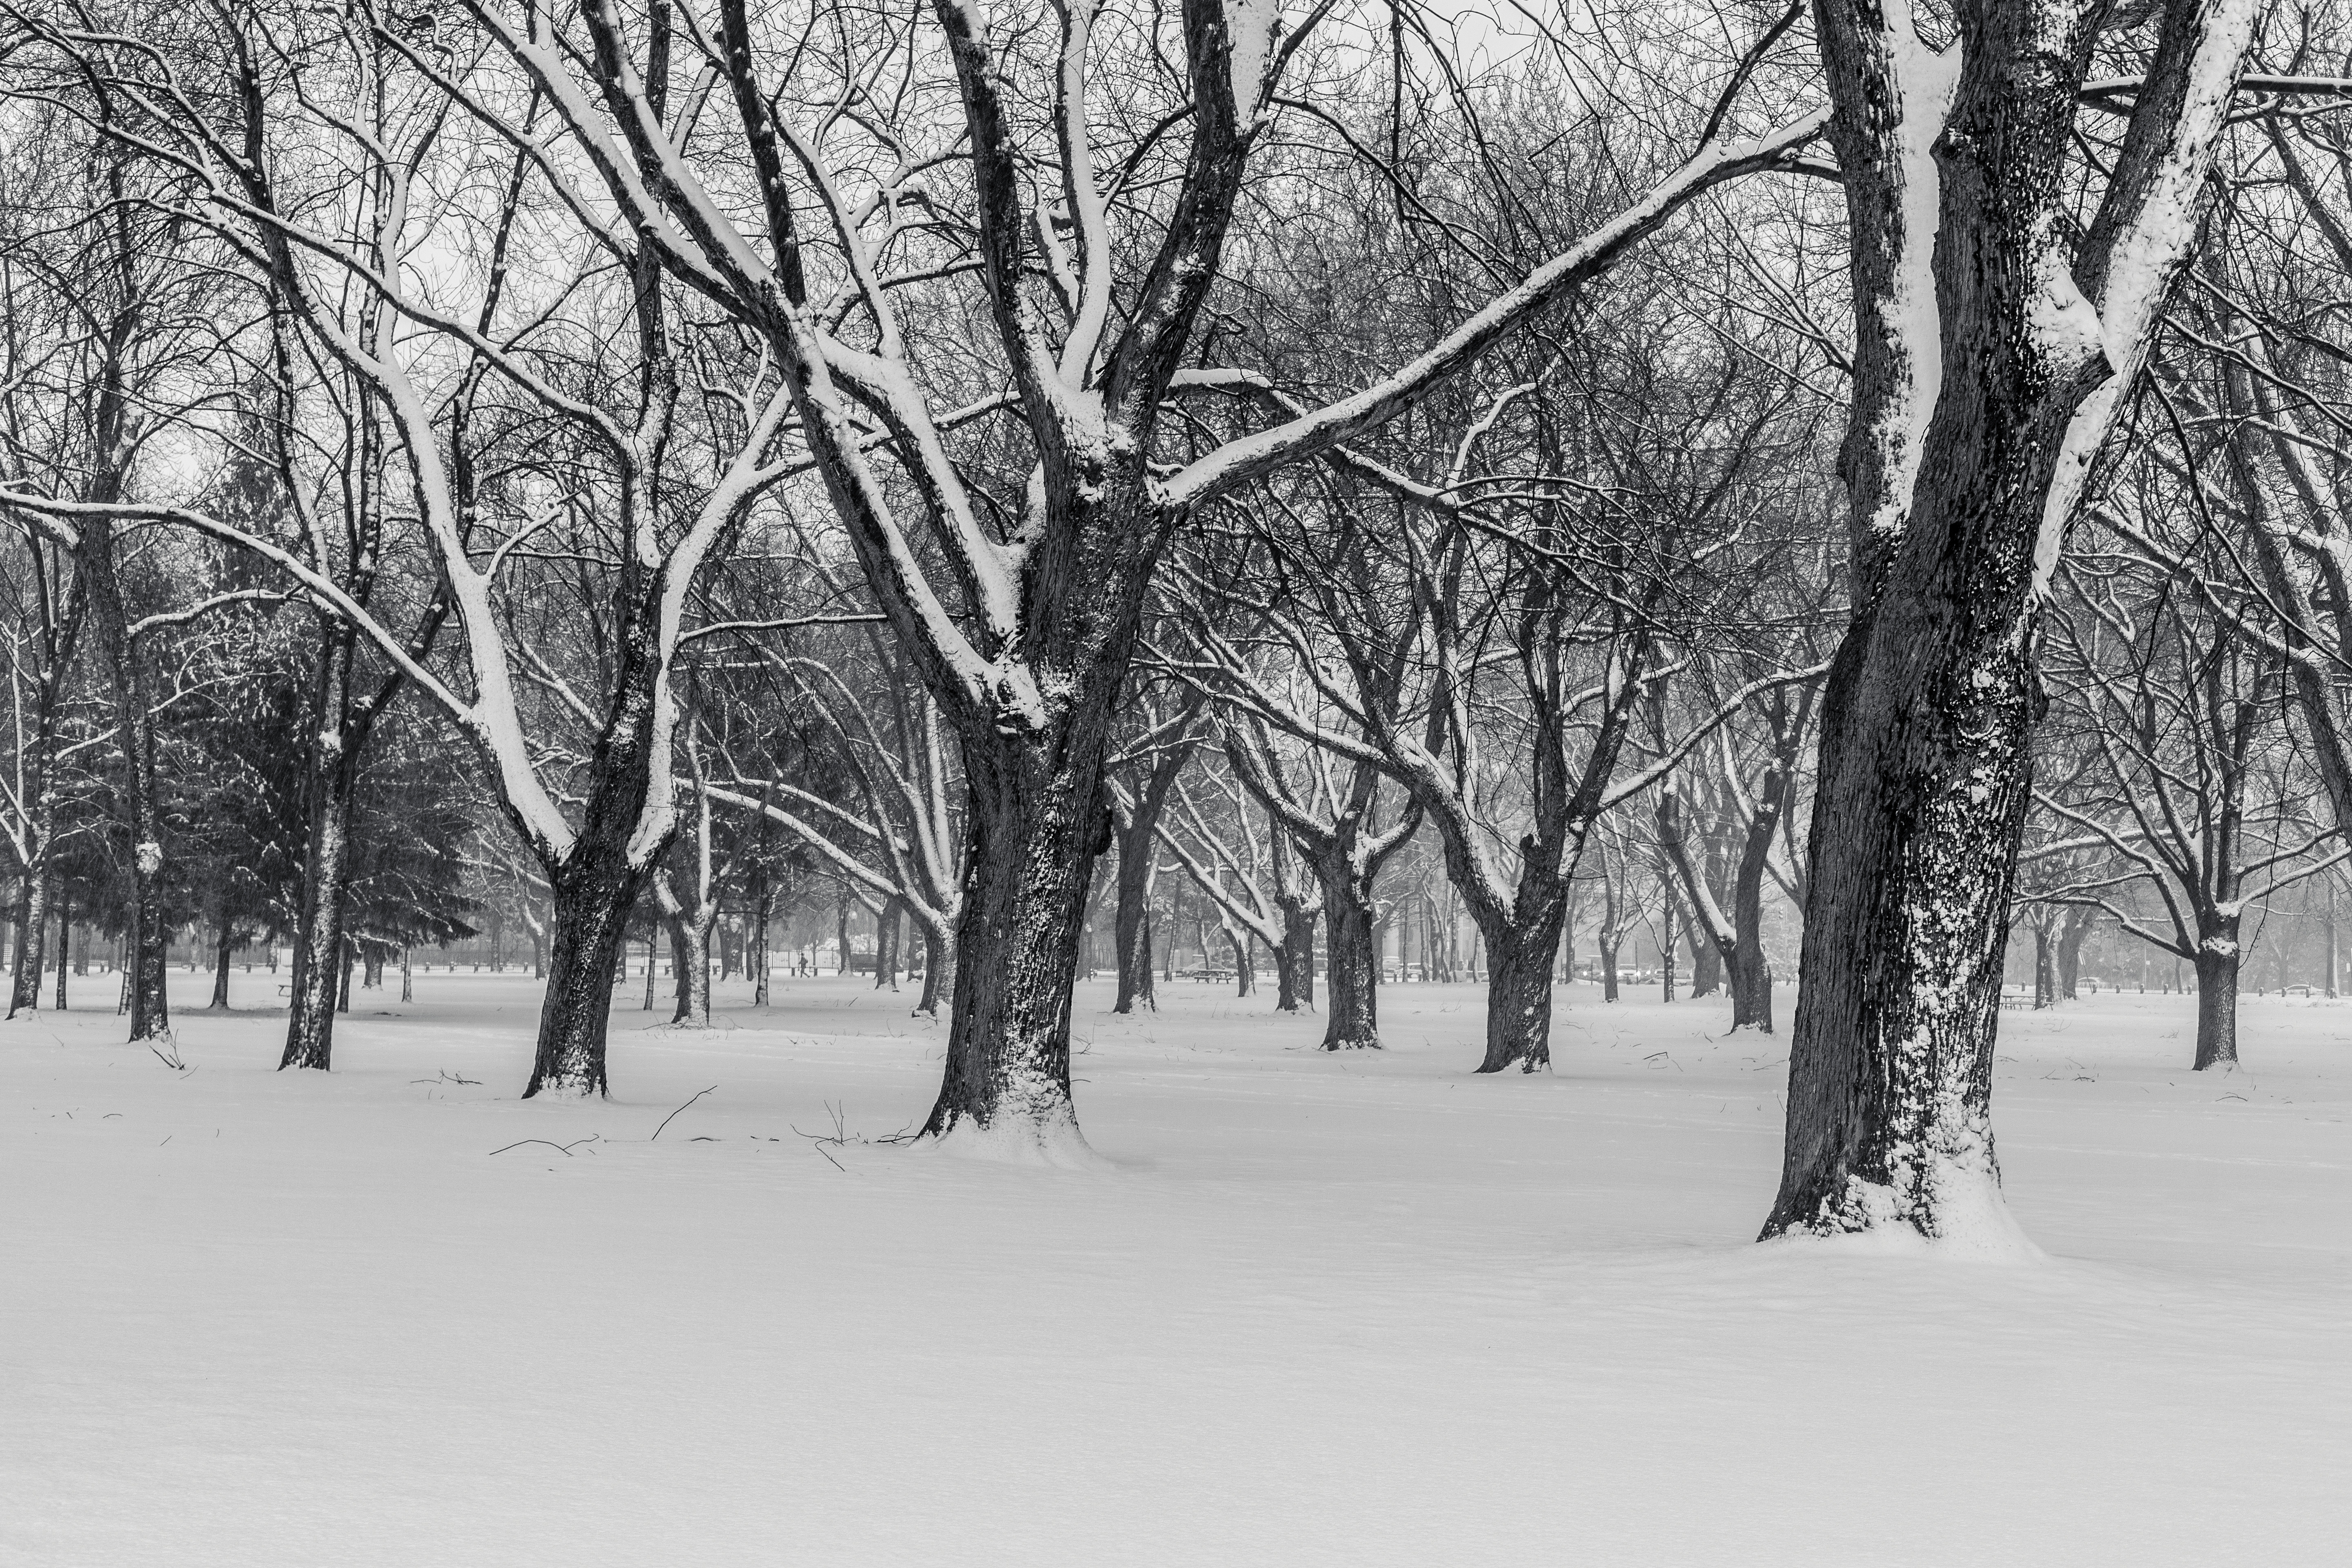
[2072, 930]
[1353, 974]
[2218, 957]
[1131, 928]
[65, 942]
[1037, 819]
[2045, 967]
[1924, 765]
[885, 947]
[331, 782]
[1293, 961]
[32, 928]
[763, 899]
[1345, 855]
[939, 973]
[224, 945]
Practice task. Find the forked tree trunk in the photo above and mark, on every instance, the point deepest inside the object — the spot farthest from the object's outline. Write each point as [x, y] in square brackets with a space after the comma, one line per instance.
[593, 892]
[2218, 957]
[1519, 989]
[1036, 824]
[1925, 772]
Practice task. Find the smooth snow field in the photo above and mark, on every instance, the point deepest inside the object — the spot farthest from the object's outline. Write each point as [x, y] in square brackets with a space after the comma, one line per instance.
[1360, 1309]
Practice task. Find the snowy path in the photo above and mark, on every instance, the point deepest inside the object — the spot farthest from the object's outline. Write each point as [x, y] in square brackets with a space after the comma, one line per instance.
[1356, 1310]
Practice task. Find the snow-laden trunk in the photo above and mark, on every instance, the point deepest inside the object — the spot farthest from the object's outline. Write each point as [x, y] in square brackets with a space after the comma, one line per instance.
[938, 973]
[1131, 924]
[885, 947]
[594, 888]
[690, 951]
[150, 934]
[318, 927]
[32, 928]
[1518, 989]
[755, 954]
[1750, 975]
[2045, 969]
[1351, 976]
[594, 882]
[1707, 967]
[1607, 946]
[1750, 980]
[1293, 961]
[1035, 823]
[2218, 957]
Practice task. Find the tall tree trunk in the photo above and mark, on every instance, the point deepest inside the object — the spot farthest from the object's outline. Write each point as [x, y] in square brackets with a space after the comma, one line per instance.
[1244, 961]
[326, 877]
[755, 955]
[64, 944]
[32, 928]
[1606, 942]
[1959, 509]
[1707, 967]
[1131, 924]
[1293, 961]
[2045, 969]
[149, 935]
[2071, 936]
[2218, 957]
[1036, 820]
[594, 890]
[1751, 977]
[885, 947]
[939, 973]
[1352, 974]
[840, 932]
[1518, 984]
[225, 947]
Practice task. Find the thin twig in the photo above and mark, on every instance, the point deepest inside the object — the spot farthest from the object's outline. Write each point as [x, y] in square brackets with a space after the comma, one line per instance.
[673, 1115]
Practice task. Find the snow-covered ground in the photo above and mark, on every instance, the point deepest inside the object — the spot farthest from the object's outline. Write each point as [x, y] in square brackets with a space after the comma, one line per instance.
[1348, 1311]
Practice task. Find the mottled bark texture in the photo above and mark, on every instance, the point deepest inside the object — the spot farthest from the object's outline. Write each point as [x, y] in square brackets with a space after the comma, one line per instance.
[1923, 778]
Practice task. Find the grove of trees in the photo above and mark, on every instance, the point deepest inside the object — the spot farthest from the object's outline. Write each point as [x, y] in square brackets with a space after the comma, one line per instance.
[1360, 489]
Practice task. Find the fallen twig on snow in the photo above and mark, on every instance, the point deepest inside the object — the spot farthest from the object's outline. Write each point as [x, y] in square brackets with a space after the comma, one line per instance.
[673, 1115]
[564, 1148]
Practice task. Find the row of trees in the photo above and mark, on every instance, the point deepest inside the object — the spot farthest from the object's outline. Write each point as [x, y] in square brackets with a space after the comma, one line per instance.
[921, 450]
